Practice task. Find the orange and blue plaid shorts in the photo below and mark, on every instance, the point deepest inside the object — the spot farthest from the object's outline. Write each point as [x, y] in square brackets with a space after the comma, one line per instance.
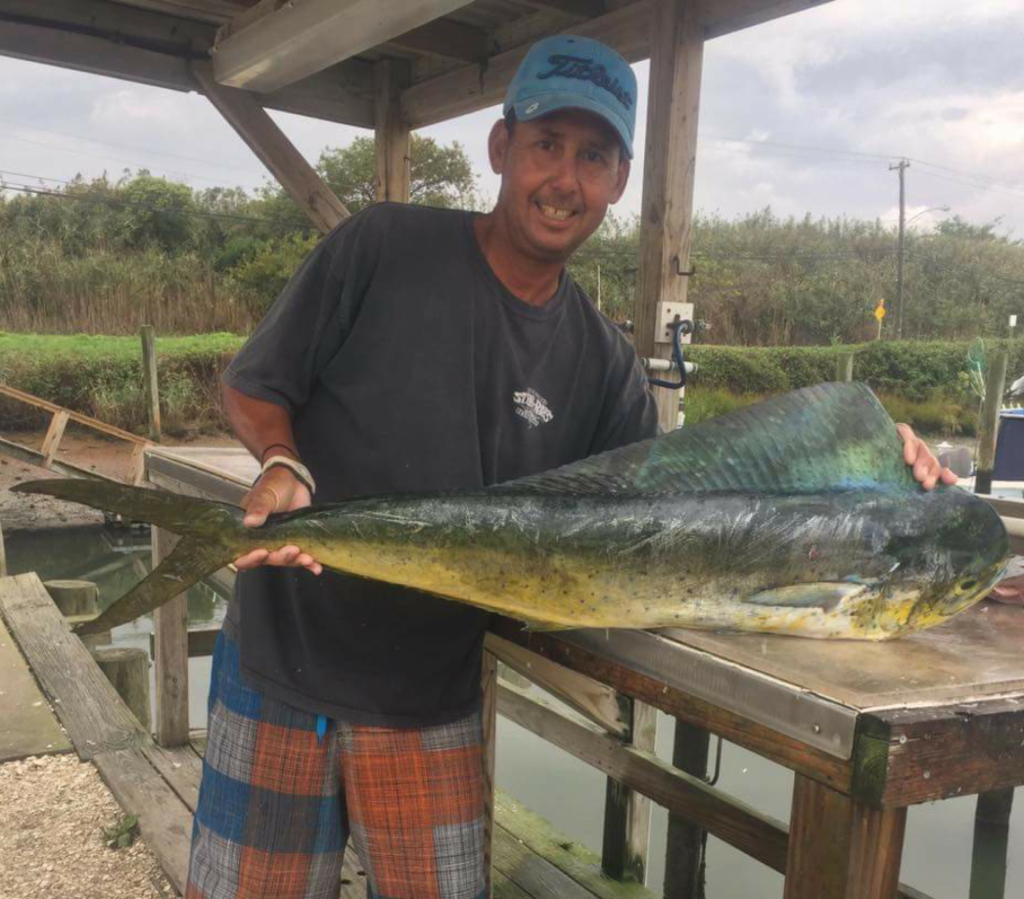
[279, 801]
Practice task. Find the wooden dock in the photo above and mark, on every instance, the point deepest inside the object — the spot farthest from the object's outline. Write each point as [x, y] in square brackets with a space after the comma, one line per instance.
[161, 785]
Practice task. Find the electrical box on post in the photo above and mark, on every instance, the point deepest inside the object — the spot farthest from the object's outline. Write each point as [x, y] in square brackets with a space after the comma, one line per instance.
[667, 314]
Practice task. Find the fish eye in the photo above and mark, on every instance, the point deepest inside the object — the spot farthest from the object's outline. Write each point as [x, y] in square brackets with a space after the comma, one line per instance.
[966, 585]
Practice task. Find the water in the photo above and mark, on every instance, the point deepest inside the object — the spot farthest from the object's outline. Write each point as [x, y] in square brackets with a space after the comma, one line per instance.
[568, 793]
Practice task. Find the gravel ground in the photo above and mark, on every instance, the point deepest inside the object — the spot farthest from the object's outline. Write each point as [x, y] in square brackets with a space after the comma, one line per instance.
[51, 841]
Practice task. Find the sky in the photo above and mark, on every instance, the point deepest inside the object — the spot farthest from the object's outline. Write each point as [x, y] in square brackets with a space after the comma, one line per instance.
[804, 114]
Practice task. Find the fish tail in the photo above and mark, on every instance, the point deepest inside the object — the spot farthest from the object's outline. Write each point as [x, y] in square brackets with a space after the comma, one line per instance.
[211, 533]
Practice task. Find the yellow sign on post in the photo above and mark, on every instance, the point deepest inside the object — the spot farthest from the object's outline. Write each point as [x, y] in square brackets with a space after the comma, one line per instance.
[880, 312]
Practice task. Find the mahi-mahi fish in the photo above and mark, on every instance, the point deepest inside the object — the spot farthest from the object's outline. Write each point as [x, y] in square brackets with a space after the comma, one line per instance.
[797, 516]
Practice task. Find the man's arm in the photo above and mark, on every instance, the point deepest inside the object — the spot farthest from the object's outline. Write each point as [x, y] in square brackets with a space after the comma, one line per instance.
[263, 426]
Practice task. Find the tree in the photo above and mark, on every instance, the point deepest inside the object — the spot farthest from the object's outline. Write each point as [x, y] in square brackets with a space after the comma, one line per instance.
[157, 213]
[440, 175]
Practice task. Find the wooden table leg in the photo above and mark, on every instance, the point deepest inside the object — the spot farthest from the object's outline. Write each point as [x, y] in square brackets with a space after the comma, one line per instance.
[840, 848]
[489, 684]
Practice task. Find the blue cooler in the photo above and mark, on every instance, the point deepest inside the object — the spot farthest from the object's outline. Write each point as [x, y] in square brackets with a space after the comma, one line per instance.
[1010, 446]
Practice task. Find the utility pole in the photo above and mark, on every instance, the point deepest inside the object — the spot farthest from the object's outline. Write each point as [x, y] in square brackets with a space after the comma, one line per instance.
[901, 167]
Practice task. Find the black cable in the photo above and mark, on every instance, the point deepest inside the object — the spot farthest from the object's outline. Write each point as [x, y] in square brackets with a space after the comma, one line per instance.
[680, 329]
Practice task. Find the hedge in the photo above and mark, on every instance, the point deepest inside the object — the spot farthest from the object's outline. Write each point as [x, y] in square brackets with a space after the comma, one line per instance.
[102, 376]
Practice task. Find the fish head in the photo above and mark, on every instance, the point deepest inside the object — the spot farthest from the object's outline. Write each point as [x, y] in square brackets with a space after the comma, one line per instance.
[951, 558]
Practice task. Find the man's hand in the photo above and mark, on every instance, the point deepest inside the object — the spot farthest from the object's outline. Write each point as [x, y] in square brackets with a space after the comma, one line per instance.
[276, 491]
[926, 467]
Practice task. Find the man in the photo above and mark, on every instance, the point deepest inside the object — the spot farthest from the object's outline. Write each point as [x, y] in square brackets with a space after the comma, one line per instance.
[415, 350]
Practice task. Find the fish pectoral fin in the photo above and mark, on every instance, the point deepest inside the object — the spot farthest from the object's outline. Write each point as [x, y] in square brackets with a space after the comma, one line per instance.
[825, 595]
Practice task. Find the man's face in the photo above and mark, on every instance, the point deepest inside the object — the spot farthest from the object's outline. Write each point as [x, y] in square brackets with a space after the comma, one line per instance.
[559, 174]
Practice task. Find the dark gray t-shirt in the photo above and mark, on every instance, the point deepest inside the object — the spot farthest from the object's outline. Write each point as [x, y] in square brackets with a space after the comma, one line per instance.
[408, 367]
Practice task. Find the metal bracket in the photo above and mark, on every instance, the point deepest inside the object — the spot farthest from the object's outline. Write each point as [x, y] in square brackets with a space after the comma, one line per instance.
[679, 268]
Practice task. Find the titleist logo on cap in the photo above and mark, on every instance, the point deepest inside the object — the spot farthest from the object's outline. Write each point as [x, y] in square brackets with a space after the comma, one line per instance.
[585, 70]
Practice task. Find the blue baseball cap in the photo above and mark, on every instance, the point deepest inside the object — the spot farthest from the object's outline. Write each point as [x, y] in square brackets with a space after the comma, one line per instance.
[570, 72]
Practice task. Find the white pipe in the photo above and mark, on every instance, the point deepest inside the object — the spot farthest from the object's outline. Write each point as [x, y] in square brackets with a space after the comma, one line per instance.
[667, 365]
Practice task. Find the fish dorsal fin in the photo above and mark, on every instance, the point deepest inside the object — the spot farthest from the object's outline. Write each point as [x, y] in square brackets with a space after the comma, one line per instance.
[829, 437]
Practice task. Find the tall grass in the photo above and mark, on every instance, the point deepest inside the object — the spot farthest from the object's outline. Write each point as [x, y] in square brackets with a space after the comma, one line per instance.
[45, 290]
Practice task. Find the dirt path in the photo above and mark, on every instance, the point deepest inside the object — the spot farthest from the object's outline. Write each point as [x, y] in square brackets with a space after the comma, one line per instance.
[24, 512]
[51, 843]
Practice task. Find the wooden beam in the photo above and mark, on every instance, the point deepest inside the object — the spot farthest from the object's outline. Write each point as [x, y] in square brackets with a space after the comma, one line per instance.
[170, 656]
[721, 17]
[448, 39]
[577, 9]
[54, 433]
[342, 94]
[627, 29]
[596, 702]
[627, 813]
[391, 135]
[670, 158]
[840, 849]
[275, 151]
[489, 691]
[730, 820]
[213, 11]
[293, 40]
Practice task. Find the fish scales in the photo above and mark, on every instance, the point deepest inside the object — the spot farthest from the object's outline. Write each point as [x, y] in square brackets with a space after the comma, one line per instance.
[794, 516]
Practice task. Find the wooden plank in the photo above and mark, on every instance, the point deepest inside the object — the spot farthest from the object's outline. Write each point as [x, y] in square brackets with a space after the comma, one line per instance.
[275, 151]
[78, 417]
[568, 856]
[907, 756]
[627, 29]
[532, 873]
[291, 41]
[840, 848]
[214, 11]
[686, 842]
[756, 737]
[489, 689]
[991, 845]
[469, 88]
[170, 656]
[578, 10]
[732, 821]
[164, 820]
[54, 433]
[596, 702]
[89, 708]
[391, 134]
[181, 767]
[149, 379]
[3, 553]
[448, 39]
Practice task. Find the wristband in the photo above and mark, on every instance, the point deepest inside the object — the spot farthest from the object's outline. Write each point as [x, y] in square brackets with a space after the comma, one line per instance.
[297, 468]
[267, 449]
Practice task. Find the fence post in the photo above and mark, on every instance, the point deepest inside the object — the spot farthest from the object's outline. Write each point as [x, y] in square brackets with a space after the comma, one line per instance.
[150, 381]
[3, 553]
[988, 429]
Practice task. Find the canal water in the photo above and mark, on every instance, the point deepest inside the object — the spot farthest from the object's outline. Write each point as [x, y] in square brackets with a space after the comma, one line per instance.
[568, 793]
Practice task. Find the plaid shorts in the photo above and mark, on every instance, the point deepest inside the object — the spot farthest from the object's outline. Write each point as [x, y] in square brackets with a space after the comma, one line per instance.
[278, 802]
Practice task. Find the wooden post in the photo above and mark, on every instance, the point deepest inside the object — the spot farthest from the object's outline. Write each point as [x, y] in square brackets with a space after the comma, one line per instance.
[844, 366]
[988, 429]
[391, 134]
[54, 433]
[170, 659]
[627, 814]
[74, 598]
[489, 686]
[127, 669]
[991, 842]
[677, 53]
[840, 848]
[670, 159]
[150, 381]
[3, 553]
[244, 113]
[686, 841]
